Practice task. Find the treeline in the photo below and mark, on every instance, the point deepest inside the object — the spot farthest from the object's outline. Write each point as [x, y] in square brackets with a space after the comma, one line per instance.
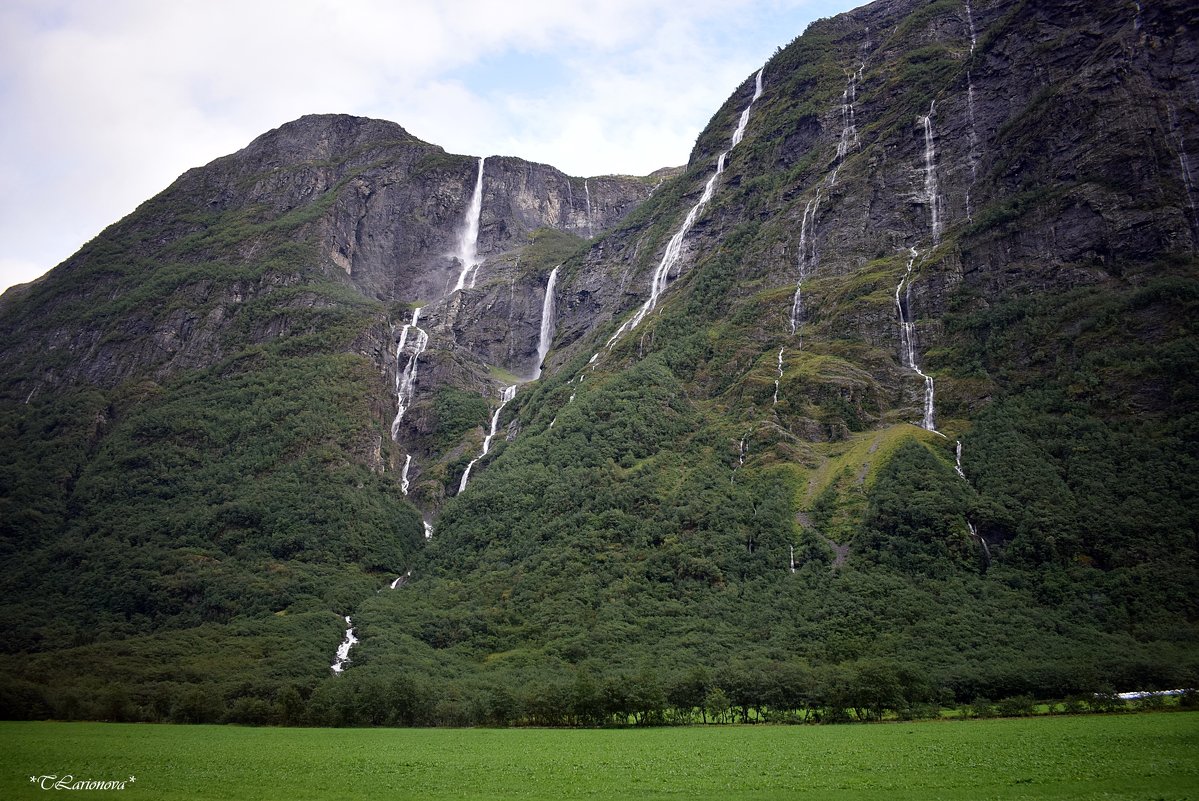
[770, 692]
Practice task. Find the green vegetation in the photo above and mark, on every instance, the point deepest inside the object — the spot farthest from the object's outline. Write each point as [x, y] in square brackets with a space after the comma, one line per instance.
[1128, 757]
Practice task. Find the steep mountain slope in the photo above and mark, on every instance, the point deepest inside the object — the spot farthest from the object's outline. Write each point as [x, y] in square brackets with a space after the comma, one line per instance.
[891, 387]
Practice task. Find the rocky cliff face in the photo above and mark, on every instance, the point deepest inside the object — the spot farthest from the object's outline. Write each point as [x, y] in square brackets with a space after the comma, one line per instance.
[329, 198]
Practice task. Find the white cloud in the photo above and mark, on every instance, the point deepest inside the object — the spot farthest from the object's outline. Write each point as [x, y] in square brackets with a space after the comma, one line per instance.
[106, 103]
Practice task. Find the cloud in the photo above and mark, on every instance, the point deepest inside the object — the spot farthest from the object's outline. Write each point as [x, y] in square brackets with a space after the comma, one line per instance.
[106, 103]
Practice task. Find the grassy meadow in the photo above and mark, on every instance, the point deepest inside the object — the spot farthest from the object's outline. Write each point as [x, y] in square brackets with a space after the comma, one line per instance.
[1145, 756]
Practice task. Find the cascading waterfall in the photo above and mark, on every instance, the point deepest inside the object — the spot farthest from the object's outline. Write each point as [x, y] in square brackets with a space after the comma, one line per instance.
[807, 257]
[468, 239]
[404, 484]
[849, 126]
[343, 651]
[778, 378]
[428, 530]
[792, 558]
[400, 581]
[546, 337]
[674, 248]
[907, 344]
[1184, 164]
[739, 133]
[931, 192]
[970, 114]
[406, 379]
[508, 394]
[986, 550]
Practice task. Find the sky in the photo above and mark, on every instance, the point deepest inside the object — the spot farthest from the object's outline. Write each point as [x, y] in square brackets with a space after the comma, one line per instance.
[105, 102]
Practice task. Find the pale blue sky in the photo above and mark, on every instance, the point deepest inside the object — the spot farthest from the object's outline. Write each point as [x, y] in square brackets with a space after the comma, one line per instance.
[105, 103]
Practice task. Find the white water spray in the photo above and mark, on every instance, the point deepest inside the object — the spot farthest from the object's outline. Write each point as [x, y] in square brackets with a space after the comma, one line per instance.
[907, 344]
[508, 394]
[546, 337]
[428, 530]
[400, 581]
[343, 651]
[406, 379]
[792, 558]
[674, 248]
[931, 192]
[958, 459]
[468, 239]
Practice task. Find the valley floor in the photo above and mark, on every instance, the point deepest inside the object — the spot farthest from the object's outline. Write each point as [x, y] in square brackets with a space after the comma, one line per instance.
[1143, 756]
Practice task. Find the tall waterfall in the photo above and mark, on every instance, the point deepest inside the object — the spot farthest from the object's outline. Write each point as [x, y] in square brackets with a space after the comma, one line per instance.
[807, 257]
[907, 343]
[343, 651]
[970, 115]
[547, 320]
[849, 124]
[468, 239]
[508, 394]
[674, 248]
[406, 379]
[931, 192]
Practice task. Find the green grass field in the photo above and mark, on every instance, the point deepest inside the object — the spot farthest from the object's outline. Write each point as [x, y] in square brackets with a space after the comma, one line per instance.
[1146, 756]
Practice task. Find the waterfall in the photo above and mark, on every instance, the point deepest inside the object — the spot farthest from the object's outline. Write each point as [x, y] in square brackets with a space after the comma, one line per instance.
[778, 378]
[792, 558]
[674, 248]
[404, 474]
[468, 239]
[400, 580]
[970, 22]
[739, 133]
[744, 451]
[849, 125]
[1184, 164]
[428, 530]
[587, 191]
[807, 257]
[406, 379]
[930, 172]
[986, 550]
[508, 394]
[907, 345]
[547, 320]
[970, 115]
[343, 651]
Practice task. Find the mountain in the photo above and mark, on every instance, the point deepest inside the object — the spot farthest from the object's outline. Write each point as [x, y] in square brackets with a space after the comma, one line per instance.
[885, 400]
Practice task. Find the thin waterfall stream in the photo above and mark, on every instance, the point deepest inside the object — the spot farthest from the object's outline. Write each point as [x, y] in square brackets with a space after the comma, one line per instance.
[674, 248]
